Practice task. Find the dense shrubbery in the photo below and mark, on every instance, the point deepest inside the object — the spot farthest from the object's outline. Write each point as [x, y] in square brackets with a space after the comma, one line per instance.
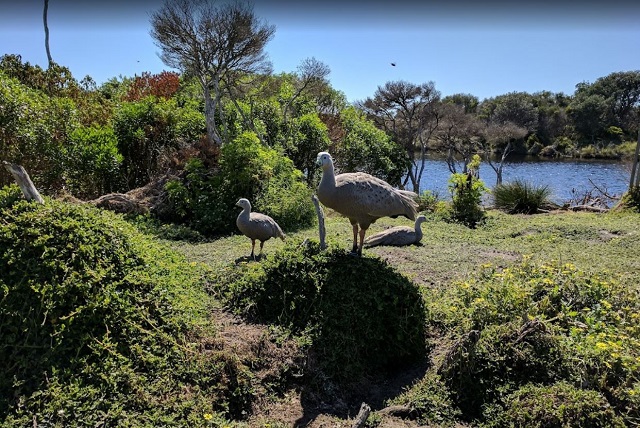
[358, 314]
[520, 197]
[247, 170]
[515, 337]
[96, 323]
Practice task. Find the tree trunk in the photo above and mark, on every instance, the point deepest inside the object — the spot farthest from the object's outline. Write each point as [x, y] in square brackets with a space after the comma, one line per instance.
[24, 181]
[210, 106]
[635, 166]
[46, 32]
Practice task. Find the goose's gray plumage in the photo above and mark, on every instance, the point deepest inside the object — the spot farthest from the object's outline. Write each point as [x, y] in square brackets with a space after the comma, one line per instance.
[362, 198]
[256, 226]
[398, 236]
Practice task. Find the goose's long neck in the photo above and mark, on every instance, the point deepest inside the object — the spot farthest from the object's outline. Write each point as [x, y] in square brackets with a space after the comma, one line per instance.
[245, 213]
[418, 231]
[328, 177]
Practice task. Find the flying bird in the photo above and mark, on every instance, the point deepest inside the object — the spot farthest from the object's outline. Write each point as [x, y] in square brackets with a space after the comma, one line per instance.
[398, 236]
[256, 226]
[362, 198]
[393, 64]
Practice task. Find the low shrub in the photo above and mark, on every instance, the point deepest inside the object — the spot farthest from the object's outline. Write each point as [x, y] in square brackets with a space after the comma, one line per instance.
[520, 197]
[558, 405]
[537, 324]
[466, 196]
[358, 315]
[99, 326]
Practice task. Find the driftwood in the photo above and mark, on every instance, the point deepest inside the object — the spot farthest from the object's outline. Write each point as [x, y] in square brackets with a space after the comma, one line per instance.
[362, 417]
[120, 203]
[321, 229]
[24, 181]
[589, 208]
[403, 412]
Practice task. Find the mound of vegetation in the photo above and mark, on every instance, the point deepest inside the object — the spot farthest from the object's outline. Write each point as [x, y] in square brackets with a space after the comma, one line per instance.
[99, 325]
[515, 340]
[357, 315]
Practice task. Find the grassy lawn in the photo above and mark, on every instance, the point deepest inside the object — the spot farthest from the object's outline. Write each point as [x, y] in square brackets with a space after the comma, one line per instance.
[592, 242]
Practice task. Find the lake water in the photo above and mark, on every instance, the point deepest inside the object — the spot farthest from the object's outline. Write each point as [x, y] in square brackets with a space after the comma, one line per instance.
[567, 179]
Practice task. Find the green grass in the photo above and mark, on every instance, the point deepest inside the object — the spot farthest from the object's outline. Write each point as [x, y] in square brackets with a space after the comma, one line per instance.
[593, 242]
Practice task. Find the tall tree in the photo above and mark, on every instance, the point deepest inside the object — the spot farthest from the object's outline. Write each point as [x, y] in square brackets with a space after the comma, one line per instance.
[457, 136]
[410, 114]
[46, 31]
[498, 140]
[218, 45]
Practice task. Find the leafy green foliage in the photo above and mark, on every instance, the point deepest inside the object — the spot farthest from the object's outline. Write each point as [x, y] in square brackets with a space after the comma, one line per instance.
[466, 194]
[358, 314]
[93, 162]
[558, 405]
[247, 170]
[363, 147]
[99, 326]
[538, 324]
[33, 129]
[520, 197]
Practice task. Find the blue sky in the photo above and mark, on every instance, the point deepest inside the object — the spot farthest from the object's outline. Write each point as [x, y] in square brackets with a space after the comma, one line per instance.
[481, 48]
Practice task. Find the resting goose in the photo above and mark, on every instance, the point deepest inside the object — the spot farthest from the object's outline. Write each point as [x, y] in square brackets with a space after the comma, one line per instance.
[362, 198]
[256, 226]
[398, 236]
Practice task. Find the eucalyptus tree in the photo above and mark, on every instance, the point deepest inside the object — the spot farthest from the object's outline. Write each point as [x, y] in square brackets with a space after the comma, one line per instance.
[45, 14]
[458, 135]
[410, 114]
[218, 45]
[497, 144]
[612, 100]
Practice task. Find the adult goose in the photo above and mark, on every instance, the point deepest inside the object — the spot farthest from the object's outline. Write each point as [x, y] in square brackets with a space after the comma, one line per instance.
[256, 226]
[397, 236]
[362, 198]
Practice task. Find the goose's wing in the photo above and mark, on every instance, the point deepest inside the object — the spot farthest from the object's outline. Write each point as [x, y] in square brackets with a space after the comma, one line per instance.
[264, 227]
[365, 195]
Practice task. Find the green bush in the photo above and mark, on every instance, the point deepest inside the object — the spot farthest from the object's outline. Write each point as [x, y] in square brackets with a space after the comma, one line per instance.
[539, 324]
[557, 405]
[427, 201]
[99, 325]
[520, 197]
[93, 162]
[9, 195]
[358, 314]
[206, 201]
[466, 196]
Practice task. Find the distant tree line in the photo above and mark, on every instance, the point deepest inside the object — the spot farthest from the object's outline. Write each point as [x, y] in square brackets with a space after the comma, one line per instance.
[224, 112]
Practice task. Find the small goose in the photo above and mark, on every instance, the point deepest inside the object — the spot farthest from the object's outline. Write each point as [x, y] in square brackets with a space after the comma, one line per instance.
[256, 226]
[362, 198]
[398, 236]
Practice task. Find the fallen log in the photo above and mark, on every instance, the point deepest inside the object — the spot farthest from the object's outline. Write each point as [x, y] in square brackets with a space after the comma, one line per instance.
[24, 181]
[588, 208]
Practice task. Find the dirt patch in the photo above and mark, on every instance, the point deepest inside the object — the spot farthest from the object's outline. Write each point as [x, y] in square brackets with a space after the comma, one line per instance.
[315, 404]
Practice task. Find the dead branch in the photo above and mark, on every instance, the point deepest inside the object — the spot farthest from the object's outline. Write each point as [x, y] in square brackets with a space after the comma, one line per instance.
[24, 181]
[362, 417]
